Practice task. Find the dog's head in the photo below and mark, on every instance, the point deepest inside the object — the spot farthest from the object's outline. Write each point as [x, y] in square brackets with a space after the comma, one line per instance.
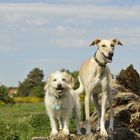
[106, 47]
[59, 82]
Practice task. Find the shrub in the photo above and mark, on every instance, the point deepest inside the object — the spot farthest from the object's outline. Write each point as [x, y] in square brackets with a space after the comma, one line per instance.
[38, 91]
[2, 103]
[27, 99]
[4, 97]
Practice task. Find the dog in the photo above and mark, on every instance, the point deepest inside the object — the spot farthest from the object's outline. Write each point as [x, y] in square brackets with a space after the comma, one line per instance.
[61, 101]
[95, 77]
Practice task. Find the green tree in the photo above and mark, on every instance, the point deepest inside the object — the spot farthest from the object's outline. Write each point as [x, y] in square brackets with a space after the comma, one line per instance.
[38, 91]
[75, 76]
[32, 84]
[4, 94]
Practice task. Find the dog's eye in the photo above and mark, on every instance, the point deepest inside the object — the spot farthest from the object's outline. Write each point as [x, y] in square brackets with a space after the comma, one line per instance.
[63, 79]
[54, 79]
[103, 46]
[112, 45]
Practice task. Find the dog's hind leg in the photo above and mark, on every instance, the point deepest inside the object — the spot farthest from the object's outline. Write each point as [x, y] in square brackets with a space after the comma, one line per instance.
[88, 127]
[78, 115]
[89, 89]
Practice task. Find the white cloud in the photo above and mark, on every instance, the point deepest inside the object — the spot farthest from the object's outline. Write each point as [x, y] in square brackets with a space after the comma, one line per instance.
[34, 29]
[36, 21]
[129, 35]
[74, 11]
[49, 61]
[66, 42]
[67, 25]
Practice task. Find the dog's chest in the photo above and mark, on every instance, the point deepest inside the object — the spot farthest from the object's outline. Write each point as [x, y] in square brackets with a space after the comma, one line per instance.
[59, 106]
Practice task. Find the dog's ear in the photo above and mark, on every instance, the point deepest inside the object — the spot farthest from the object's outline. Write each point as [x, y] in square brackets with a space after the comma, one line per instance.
[45, 87]
[117, 42]
[70, 80]
[96, 41]
[48, 82]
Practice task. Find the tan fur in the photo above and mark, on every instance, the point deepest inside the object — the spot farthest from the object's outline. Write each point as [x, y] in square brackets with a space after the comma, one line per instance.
[96, 79]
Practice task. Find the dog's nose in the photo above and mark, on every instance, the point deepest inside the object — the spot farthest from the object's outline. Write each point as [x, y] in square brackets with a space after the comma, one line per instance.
[110, 54]
[59, 85]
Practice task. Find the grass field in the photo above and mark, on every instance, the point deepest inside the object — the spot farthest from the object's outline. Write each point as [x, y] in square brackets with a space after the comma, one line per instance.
[24, 121]
[15, 112]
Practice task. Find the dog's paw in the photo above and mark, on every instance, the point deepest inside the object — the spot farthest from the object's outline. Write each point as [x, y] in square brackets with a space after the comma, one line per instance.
[66, 132]
[98, 128]
[54, 133]
[110, 129]
[78, 132]
[88, 131]
[88, 128]
[104, 133]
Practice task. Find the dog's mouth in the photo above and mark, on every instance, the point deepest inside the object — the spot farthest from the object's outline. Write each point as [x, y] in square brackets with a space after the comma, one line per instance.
[59, 90]
[108, 58]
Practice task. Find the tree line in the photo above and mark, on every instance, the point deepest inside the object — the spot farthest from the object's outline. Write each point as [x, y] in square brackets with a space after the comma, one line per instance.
[32, 85]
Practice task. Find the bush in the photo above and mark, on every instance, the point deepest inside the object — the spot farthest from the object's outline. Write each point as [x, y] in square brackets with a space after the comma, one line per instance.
[27, 99]
[4, 97]
[38, 91]
[2, 103]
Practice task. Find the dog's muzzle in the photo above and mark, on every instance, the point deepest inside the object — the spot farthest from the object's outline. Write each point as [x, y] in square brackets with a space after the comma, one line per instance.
[109, 57]
[59, 89]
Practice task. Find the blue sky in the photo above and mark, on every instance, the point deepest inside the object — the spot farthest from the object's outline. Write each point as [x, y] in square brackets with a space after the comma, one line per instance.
[55, 34]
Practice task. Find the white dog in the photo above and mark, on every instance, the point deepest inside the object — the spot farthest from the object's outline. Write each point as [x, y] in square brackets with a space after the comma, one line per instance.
[61, 100]
[95, 78]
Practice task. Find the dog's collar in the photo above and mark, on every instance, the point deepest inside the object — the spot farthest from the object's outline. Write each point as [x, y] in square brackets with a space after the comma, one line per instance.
[58, 97]
[58, 106]
[99, 63]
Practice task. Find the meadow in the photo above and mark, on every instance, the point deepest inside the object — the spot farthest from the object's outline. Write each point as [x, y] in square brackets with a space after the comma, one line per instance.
[22, 121]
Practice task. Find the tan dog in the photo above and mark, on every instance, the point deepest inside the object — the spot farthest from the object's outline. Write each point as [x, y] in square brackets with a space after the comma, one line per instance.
[95, 78]
[61, 101]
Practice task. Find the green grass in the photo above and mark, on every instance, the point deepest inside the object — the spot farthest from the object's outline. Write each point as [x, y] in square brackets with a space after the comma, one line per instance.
[24, 121]
[16, 112]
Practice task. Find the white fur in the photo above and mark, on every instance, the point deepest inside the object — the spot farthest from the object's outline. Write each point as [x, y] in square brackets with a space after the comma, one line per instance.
[68, 102]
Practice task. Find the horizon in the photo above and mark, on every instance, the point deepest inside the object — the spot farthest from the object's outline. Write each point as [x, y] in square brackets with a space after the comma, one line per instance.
[53, 35]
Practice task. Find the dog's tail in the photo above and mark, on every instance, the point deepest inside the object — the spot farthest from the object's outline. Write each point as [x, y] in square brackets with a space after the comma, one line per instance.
[81, 87]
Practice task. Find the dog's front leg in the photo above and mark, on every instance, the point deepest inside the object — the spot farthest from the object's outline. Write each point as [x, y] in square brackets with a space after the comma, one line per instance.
[61, 123]
[78, 114]
[97, 106]
[66, 124]
[53, 123]
[111, 110]
[92, 84]
[103, 108]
